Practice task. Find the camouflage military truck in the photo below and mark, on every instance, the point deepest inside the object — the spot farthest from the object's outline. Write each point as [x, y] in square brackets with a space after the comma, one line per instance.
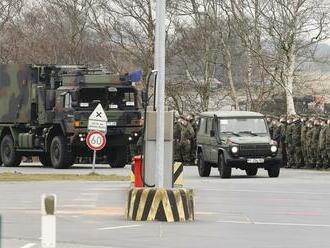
[44, 111]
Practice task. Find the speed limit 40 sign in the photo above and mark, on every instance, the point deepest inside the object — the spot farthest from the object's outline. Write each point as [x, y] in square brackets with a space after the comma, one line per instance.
[96, 140]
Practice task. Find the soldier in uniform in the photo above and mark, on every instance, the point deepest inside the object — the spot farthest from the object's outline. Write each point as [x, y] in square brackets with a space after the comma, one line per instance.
[289, 144]
[187, 133]
[327, 145]
[177, 136]
[191, 121]
[270, 125]
[282, 131]
[322, 152]
[296, 142]
[308, 143]
[304, 129]
[315, 143]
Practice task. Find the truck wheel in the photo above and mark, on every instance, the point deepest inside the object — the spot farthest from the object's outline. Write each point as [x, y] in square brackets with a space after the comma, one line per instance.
[59, 155]
[252, 171]
[117, 157]
[224, 170]
[274, 171]
[204, 169]
[45, 160]
[10, 157]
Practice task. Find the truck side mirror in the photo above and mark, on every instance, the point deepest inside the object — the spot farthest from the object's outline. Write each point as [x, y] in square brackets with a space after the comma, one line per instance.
[212, 133]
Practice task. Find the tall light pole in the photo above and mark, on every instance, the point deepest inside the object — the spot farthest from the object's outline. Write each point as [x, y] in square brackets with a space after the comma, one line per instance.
[160, 67]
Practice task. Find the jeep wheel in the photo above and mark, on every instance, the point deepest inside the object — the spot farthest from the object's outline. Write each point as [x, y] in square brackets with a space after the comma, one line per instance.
[59, 155]
[45, 160]
[204, 169]
[252, 171]
[274, 171]
[117, 157]
[10, 157]
[224, 170]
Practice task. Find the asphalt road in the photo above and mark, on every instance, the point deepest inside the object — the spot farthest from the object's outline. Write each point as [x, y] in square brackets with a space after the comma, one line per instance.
[258, 212]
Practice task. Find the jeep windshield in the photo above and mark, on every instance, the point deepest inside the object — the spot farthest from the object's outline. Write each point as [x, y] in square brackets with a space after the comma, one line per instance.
[243, 126]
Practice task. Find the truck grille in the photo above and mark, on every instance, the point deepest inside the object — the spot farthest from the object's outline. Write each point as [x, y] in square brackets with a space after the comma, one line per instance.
[254, 150]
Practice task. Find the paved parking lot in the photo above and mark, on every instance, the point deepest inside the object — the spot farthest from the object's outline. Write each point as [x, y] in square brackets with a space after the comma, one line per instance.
[289, 211]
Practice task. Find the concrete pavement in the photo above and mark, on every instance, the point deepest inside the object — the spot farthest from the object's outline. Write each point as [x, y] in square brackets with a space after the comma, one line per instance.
[289, 211]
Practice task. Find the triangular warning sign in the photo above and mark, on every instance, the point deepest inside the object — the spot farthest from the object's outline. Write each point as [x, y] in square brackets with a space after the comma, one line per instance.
[98, 114]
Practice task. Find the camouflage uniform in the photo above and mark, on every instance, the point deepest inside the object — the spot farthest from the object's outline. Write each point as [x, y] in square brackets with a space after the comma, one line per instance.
[327, 145]
[304, 129]
[283, 145]
[322, 147]
[315, 144]
[176, 137]
[193, 141]
[187, 133]
[309, 137]
[296, 143]
[289, 144]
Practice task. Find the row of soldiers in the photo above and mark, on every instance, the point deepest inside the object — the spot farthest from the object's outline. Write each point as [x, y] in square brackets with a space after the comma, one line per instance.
[185, 145]
[304, 141]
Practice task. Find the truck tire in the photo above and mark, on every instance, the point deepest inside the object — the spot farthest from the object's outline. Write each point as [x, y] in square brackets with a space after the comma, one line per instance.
[59, 155]
[117, 157]
[45, 160]
[10, 157]
[224, 170]
[204, 168]
[274, 171]
[252, 171]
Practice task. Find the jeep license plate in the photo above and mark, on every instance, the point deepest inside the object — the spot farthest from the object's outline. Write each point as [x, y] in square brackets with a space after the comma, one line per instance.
[255, 160]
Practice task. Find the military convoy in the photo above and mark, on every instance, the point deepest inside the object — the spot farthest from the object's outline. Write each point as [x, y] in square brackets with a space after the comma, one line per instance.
[44, 111]
[235, 139]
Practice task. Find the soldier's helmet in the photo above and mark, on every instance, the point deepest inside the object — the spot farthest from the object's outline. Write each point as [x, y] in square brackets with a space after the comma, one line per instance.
[283, 119]
[289, 120]
[189, 117]
[296, 119]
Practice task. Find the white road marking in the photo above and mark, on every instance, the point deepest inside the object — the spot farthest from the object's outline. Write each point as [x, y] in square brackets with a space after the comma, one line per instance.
[273, 223]
[275, 192]
[117, 227]
[29, 245]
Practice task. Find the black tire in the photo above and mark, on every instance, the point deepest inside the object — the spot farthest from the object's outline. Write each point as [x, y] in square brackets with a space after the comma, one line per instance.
[59, 155]
[45, 160]
[117, 157]
[252, 171]
[274, 171]
[204, 168]
[10, 157]
[224, 170]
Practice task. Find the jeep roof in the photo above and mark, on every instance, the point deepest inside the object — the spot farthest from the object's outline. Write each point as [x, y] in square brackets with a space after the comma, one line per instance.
[230, 114]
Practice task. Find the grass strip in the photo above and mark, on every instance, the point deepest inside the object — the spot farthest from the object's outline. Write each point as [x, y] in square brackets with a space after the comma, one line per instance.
[17, 176]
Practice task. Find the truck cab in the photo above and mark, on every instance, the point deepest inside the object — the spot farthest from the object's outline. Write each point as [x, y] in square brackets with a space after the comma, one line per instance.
[235, 139]
[44, 111]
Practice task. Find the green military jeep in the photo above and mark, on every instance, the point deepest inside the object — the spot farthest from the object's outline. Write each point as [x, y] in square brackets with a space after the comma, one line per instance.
[235, 139]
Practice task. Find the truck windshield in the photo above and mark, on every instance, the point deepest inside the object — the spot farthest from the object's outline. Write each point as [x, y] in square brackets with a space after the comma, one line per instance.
[243, 126]
[90, 97]
[121, 98]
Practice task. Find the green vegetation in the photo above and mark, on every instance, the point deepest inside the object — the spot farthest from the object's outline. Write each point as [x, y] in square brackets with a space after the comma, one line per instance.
[9, 176]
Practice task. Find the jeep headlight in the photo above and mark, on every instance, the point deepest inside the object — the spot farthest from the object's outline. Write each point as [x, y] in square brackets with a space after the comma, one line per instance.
[234, 149]
[273, 148]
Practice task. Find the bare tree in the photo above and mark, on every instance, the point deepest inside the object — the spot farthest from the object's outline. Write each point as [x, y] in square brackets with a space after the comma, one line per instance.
[283, 31]
[9, 9]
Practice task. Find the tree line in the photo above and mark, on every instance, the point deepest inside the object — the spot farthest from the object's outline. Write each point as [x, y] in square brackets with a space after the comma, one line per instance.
[218, 52]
